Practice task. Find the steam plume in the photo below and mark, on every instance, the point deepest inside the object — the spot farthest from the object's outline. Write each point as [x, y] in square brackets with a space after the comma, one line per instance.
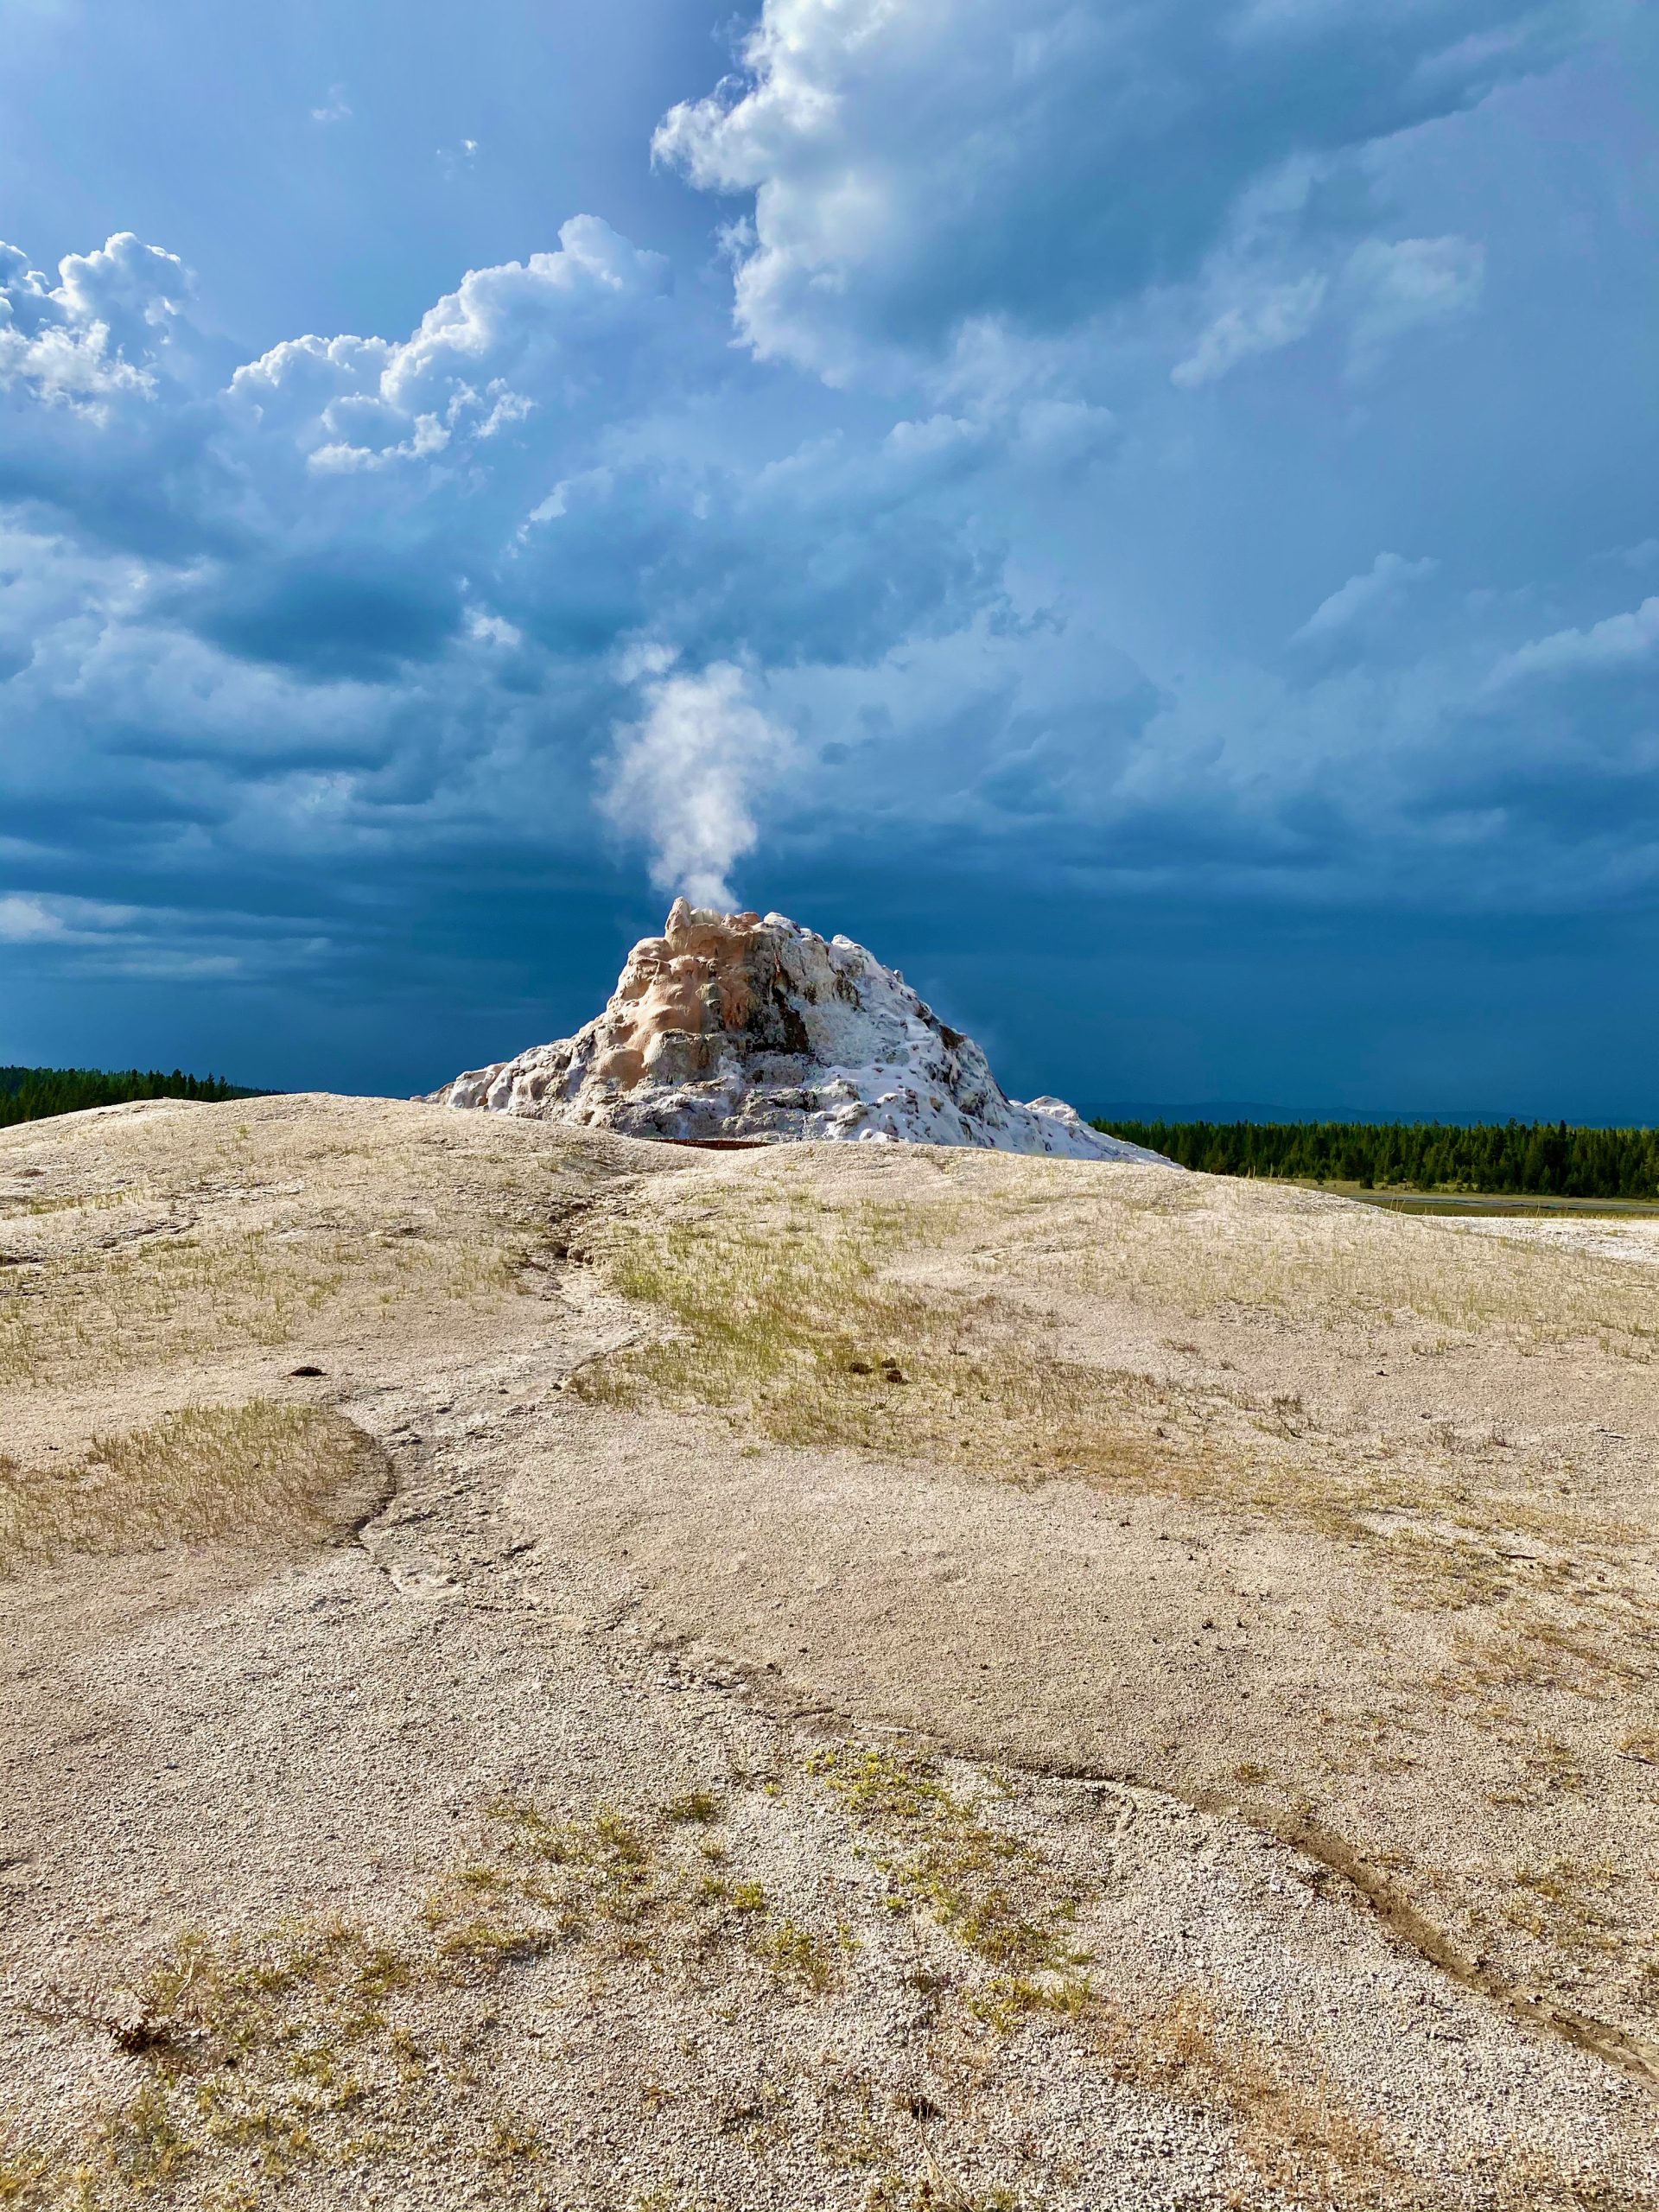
[683, 778]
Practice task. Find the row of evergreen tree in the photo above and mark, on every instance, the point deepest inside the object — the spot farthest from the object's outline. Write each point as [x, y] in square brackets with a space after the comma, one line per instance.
[1545, 1158]
[32, 1094]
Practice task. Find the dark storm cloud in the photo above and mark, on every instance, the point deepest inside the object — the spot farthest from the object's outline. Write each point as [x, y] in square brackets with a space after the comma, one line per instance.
[322, 616]
[1191, 497]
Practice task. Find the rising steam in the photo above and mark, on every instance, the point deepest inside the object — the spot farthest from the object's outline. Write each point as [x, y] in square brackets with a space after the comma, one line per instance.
[683, 778]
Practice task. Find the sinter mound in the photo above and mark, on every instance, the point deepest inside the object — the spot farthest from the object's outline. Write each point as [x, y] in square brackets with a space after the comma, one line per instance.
[730, 1026]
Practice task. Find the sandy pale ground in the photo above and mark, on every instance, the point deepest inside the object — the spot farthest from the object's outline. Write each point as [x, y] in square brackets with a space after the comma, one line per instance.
[830, 1677]
[1605, 1235]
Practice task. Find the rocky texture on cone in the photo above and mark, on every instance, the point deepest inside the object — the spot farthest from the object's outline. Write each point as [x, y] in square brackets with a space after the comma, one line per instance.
[734, 1027]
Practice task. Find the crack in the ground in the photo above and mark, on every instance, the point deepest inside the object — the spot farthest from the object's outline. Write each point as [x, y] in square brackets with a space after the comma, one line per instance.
[1634, 2054]
[380, 1503]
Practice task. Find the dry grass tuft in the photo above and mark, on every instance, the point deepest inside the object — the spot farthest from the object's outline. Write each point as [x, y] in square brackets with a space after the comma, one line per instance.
[266, 2057]
[653, 1891]
[23, 2176]
[935, 2190]
[1567, 1907]
[999, 1897]
[85, 1316]
[1298, 2139]
[1527, 1651]
[1154, 1240]
[259, 1471]
[318, 2049]
[802, 1320]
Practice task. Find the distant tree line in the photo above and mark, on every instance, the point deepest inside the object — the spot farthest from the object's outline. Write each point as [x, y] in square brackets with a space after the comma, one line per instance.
[32, 1094]
[1545, 1158]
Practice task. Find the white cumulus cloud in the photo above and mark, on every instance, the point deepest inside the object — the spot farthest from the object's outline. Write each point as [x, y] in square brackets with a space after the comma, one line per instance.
[479, 362]
[909, 167]
[96, 335]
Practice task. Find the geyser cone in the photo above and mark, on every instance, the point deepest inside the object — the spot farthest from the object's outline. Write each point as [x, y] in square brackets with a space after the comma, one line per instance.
[734, 1026]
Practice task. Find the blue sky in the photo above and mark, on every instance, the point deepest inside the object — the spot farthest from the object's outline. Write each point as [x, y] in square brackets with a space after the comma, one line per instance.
[1148, 516]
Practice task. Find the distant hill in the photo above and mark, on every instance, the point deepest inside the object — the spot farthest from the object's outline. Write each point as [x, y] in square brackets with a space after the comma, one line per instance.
[35, 1094]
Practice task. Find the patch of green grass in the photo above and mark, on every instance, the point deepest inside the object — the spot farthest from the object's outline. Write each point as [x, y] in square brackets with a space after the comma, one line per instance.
[270, 2051]
[622, 1880]
[604, 1868]
[698, 1806]
[799, 1954]
[512, 2140]
[990, 1889]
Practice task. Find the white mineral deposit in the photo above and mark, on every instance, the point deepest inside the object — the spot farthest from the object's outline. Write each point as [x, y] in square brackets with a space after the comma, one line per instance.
[730, 1027]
